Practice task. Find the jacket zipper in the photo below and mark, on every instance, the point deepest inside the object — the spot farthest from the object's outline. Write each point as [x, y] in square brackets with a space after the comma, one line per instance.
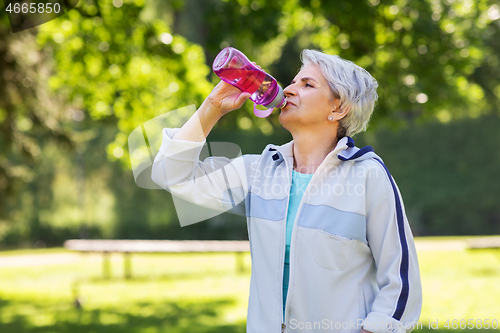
[283, 326]
[321, 166]
[301, 204]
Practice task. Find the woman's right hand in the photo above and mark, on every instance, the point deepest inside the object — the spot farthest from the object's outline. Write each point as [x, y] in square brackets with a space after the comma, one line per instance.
[225, 98]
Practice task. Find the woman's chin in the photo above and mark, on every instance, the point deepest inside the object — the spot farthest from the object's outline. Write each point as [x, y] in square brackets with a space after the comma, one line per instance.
[283, 115]
[286, 118]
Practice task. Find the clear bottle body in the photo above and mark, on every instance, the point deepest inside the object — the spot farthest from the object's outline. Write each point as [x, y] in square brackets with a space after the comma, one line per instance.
[233, 67]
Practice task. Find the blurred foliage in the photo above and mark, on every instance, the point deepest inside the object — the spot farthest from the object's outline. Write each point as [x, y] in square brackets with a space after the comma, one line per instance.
[431, 58]
[30, 121]
[73, 89]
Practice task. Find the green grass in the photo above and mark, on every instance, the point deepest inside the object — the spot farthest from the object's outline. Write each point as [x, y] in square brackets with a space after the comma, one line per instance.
[168, 293]
[204, 293]
[460, 285]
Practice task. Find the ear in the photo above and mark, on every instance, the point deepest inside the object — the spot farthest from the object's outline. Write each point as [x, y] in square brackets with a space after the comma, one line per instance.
[338, 112]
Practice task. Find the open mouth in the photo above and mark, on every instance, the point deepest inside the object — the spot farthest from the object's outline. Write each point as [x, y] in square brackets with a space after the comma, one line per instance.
[287, 104]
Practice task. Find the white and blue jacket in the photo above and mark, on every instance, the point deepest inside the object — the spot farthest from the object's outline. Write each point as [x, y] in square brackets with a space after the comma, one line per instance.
[353, 261]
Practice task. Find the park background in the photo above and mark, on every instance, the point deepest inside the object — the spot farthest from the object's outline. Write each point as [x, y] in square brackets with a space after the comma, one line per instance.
[73, 89]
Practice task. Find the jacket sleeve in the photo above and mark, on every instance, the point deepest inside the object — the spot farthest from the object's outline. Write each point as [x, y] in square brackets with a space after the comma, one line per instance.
[397, 305]
[217, 183]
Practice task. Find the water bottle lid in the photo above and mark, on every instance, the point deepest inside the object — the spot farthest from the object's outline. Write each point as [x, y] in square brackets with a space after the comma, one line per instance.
[278, 102]
[279, 99]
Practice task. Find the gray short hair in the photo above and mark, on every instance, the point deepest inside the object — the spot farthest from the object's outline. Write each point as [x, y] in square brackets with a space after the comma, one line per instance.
[353, 85]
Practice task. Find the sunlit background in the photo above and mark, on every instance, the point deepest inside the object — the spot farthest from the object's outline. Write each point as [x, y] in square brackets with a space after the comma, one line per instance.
[73, 89]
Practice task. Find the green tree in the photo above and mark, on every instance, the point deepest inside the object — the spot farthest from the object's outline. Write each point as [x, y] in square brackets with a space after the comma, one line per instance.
[73, 89]
[30, 121]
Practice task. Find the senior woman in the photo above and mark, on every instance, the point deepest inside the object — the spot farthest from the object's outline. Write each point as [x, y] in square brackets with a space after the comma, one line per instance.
[332, 250]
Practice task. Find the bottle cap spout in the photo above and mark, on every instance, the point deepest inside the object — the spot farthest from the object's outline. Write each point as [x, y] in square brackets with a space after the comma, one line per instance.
[283, 104]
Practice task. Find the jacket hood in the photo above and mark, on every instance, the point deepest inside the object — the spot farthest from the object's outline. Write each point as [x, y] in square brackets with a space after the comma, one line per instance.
[353, 153]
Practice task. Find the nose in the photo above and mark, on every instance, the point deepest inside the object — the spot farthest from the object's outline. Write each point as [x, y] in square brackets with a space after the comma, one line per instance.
[289, 91]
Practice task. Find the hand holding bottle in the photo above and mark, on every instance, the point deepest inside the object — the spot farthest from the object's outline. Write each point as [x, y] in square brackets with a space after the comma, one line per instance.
[225, 98]
[240, 79]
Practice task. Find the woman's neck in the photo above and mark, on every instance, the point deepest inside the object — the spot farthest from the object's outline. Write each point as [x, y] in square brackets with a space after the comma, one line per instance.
[309, 151]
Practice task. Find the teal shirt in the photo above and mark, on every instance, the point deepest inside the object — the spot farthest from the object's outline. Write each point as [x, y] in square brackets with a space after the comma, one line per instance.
[299, 185]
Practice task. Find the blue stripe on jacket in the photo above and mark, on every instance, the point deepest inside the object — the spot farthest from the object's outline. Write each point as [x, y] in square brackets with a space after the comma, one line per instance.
[403, 269]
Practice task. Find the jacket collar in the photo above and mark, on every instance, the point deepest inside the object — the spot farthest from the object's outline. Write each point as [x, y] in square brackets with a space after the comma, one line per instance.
[346, 142]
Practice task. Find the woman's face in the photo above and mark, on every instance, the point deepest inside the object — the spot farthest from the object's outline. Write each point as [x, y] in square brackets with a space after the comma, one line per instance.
[309, 100]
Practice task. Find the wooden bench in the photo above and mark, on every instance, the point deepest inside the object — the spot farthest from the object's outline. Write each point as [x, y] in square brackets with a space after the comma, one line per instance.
[154, 246]
[484, 243]
[492, 242]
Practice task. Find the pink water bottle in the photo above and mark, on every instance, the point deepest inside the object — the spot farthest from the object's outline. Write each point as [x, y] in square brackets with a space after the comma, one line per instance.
[233, 67]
